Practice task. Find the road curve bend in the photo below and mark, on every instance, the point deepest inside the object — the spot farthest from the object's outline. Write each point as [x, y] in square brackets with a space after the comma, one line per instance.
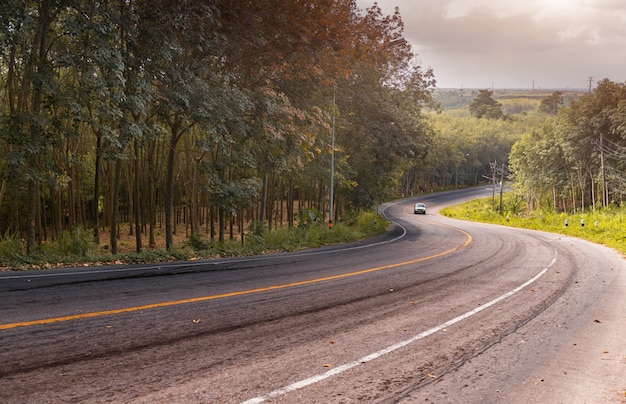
[437, 310]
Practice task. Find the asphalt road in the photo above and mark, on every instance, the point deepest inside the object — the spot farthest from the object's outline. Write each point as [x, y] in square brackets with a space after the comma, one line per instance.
[436, 310]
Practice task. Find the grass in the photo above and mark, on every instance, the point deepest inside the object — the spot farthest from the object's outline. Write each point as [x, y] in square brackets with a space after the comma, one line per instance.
[77, 248]
[316, 234]
[604, 226]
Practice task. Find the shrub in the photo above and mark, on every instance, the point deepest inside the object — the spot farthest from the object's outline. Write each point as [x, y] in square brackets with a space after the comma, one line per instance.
[74, 243]
[198, 242]
[309, 217]
[10, 249]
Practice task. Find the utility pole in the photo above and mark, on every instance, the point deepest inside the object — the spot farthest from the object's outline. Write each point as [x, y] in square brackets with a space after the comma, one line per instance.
[605, 187]
[502, 170]
[494, 171]
[590, 82]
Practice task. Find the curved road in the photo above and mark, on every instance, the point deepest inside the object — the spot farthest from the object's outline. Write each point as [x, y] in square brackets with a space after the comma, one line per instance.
[436, 310]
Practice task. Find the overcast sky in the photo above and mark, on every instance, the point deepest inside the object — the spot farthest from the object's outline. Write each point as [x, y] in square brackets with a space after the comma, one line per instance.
[515, 43]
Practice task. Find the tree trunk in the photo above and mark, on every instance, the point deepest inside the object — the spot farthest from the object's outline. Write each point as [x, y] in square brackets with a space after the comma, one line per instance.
[137, 204]
[151, 196]
[3, 187]
[40, 47]
[169, 189]
[264, 199]
[290, 204]
[96, 191]
[222, 224]
[115, 193]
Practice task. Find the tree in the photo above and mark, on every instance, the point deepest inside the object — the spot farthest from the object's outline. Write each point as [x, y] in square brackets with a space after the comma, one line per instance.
[101, 99]
[552, 103]
[484, 106]
[592, 123]
[37, 106]
[537, 163]
[580, 155]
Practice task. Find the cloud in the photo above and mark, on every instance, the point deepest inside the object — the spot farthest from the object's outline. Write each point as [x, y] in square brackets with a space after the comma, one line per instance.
[559, 43]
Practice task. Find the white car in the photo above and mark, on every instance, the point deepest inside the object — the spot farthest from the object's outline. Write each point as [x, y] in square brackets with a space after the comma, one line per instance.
[419, 208]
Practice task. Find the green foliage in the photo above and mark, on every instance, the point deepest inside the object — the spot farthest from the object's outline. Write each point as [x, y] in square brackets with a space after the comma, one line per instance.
[518, 105]
[309, 217]
[484, 106]
[160, 255]
[72, 246]
[552, 103]
[76, 243]
[10, 249]
[257, 228]
[198, 242]
[314, 234]
[605, 226]
[576, 159]
[463, 147]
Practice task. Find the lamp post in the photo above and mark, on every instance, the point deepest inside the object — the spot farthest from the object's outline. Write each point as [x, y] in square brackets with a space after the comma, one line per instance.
[332, 163]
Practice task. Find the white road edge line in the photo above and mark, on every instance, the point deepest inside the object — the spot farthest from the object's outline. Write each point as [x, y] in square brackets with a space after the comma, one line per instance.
[340, 369]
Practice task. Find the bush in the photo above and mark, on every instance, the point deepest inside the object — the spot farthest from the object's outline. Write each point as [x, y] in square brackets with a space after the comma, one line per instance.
[77, 246]
[309, 217]
[198, 242]
[75, 243]
[11, 249]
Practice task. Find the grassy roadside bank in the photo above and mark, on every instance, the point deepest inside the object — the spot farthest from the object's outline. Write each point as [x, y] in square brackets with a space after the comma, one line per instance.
[606, 226]
[77, 248]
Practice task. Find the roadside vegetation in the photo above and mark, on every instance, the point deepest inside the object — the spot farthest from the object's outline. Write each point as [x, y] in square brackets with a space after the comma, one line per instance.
[568, 174]
[165, 118]
[605, 226]
[214, 128]
[77, 248]
[125, 130]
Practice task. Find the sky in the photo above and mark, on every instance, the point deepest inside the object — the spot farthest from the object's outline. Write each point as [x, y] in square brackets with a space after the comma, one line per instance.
[540, 44]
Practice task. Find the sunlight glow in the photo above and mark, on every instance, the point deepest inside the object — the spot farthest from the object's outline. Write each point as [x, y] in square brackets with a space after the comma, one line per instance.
[508, 8]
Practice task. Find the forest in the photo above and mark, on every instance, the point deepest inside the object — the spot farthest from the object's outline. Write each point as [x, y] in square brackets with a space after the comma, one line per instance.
[210, 118]
[577, 163]
[199, 116]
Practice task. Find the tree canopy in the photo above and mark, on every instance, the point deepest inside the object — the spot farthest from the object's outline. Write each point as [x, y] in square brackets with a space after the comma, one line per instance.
[200, 113]
[552, 103]
[579, 160]
[484, 106]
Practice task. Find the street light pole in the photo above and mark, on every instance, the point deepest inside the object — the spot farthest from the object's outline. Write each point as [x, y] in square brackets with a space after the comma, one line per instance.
[332, 163]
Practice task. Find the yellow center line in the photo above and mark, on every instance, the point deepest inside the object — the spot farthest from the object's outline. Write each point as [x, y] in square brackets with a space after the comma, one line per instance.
[229, 294]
